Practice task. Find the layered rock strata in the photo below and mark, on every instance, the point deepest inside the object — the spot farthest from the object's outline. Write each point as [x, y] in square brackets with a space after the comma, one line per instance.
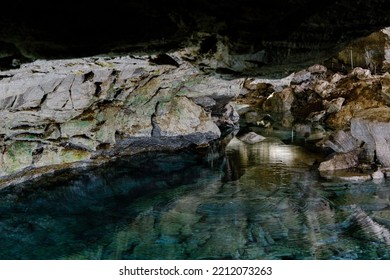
[60, 113]
[372, 127]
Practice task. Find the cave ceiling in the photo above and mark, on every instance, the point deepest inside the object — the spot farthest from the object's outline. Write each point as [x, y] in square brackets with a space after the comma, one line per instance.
[293, 32]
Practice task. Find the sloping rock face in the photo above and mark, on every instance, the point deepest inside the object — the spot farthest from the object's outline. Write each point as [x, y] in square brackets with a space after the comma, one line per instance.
[372, 126]
[60, 112]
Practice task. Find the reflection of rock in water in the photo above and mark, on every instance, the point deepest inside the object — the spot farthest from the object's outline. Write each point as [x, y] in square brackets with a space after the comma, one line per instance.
[271, 156]
[360, 221]
[232, 170]
[214, 151]
[259, 201]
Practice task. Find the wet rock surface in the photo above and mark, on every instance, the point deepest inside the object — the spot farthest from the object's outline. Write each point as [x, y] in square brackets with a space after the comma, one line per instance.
[344, 113]
[246, 201]
[303, 175]
[372, 126]
[67, 113]
[61, 112]
[251, 138]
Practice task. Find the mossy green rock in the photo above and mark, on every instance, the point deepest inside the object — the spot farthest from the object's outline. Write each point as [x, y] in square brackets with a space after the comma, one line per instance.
[17, 156]
[79, 110]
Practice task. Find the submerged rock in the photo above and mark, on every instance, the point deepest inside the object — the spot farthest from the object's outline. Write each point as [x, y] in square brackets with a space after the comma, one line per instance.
[346, 175]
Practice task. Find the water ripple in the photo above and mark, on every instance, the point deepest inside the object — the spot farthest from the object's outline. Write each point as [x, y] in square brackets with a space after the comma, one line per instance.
[260, 201]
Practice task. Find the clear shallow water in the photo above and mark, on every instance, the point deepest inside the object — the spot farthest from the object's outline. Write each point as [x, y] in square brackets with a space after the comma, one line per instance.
[261, 201]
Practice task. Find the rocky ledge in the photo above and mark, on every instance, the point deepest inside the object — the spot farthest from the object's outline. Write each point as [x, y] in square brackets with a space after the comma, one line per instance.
[65, 113]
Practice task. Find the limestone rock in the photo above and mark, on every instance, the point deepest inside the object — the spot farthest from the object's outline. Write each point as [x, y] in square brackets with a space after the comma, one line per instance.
[204, 101]
[336, 78]
[323, 88]
[360, 73]
[317, 69]
[342, 142]
[378, 175]
[385, 82]
[301, 76]
[215, 94]
[82, 110]
[182, 116]
[275, 84]
[316, 116]
[229, 117]
[334, 105]
[251, 138]
[359, 96]
[340, 161]
[17, 156]
[279, 102]
[372, 126]
[251, 117]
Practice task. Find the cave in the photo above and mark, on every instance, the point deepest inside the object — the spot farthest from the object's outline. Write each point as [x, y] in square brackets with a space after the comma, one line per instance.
[286, 35]
[195, 130]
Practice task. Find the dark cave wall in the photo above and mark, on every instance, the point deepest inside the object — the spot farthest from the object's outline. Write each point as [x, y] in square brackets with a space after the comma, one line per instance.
[289, 32]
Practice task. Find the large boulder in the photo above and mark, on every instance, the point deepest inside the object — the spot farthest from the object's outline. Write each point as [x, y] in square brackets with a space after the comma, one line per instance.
[279, 102]
[340, 161]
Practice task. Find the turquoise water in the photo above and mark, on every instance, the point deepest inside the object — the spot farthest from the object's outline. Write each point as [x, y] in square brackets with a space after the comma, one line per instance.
[241, 201]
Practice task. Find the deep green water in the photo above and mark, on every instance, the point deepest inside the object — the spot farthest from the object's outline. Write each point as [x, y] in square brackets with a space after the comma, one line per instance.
[261, 201]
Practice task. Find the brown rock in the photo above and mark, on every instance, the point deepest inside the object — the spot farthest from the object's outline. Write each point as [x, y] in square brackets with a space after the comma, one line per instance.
[279, 102]
[340, 161]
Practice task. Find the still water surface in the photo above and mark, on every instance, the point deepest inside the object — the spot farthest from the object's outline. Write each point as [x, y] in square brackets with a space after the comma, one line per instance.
[260, 201]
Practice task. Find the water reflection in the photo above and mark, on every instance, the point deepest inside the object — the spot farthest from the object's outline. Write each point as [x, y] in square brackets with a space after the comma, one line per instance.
[260, 201]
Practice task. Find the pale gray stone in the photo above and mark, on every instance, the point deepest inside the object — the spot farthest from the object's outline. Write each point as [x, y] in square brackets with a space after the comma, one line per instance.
[251, 138]
[301, 76]
[372, 126]
[86, 109]
[342, 142]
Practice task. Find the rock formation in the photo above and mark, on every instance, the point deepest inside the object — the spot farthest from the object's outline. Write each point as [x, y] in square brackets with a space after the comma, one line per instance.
[372, 127]
[345, 114]
[267, 37]
[63, 112]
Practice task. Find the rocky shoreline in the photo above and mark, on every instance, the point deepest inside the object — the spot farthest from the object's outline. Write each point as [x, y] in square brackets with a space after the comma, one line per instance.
[66, 113]
[60, 114]
[345, 115]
